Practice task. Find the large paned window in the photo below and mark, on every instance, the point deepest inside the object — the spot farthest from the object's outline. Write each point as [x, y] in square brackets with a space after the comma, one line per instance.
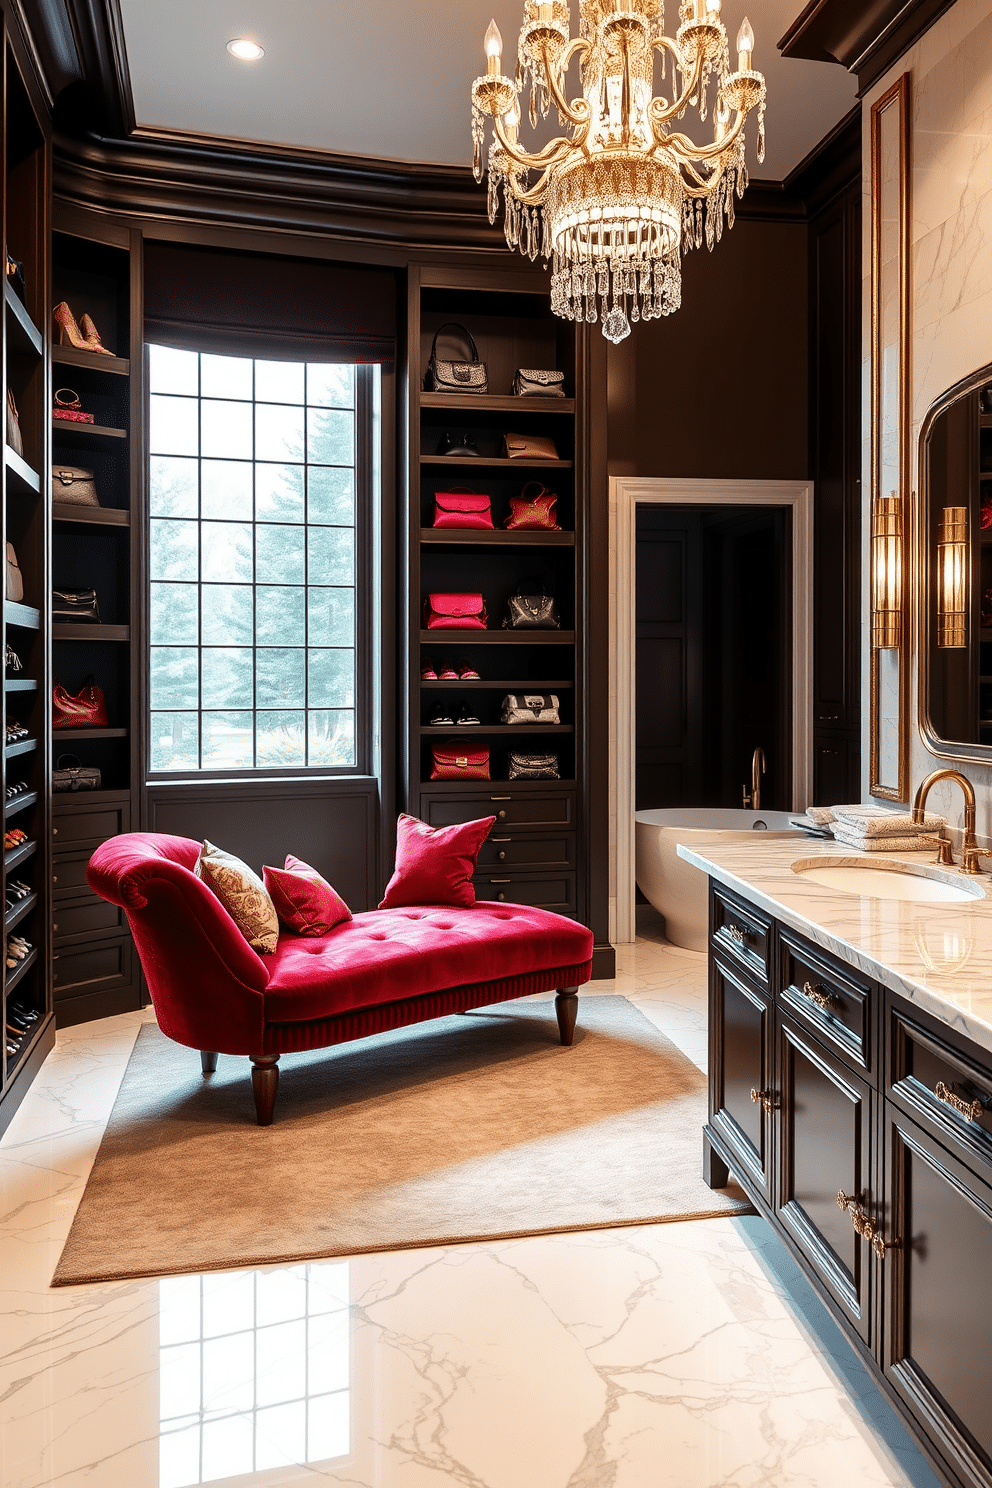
[258, 515]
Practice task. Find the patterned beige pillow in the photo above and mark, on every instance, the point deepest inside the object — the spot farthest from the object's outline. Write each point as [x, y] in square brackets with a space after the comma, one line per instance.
[242, 894]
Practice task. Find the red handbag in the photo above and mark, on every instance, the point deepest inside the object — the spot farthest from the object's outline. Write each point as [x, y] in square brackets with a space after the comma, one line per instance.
[462, 508]
[459, 759]
[534, 512]
[455, 612]
[86, 709]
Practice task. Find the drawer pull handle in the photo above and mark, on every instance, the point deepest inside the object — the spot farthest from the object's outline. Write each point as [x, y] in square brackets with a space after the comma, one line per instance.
[501, 798]
[55, 831]
[501, 856]
[864, 1224]
[500, 880]
[766, 1099]
[816, 994]
[501, 839]
[970, 1110]
[736, 934]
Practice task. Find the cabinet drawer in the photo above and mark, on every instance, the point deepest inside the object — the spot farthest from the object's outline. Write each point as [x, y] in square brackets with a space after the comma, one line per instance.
[88, 823]
[827, 997]
[742, 932]
[543, 891]
[91, 968]
[521, 850]
[509, 810]
[73, 920]
[69, 876]
[741, 1059]
[946, 1091]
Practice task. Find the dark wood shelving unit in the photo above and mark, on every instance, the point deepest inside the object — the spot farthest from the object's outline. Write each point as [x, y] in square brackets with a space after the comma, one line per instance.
[518, 729]
[98, 431]
[67, 631]
[463, 638]
[23, 746]
[496, 403]
[20, 684]
[17, 804]
[90, 516]
[19, 854]
[73, 356]
[25, 617]
[89, 733]
[20, 911]
[24, 475]
[20, 971]
[484, 462]
[22, 325]
[485, 684]
[499, 537]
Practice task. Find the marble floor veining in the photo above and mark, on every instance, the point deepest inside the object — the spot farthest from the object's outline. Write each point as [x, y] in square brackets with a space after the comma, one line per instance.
[685, 1355]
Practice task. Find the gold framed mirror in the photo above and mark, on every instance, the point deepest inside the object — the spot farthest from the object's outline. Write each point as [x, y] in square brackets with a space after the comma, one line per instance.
[890, 480]
[954, 559]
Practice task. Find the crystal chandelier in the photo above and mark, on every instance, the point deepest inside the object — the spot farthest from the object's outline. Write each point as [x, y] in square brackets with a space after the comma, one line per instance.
[616, 203]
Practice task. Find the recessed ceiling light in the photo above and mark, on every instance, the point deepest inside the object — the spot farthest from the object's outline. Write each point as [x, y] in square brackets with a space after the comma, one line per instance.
[245, 50]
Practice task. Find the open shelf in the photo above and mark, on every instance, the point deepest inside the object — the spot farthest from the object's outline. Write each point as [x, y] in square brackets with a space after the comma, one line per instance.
[23, 746]
[518, 537]
[90, 516]
[19, 854]
[20, 684]
[468, 729]
[497, 637]
[20, 911]
[18, 973]
[497, 403]
[71, 356]
[89, 733]
[484, 682]
[25, 476]
[481, 462]
[19, 803]
[97, 431]
[22, 326]
[22, 615]
[67, 631]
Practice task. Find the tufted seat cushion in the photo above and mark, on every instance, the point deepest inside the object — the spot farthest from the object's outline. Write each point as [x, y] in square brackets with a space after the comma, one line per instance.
[390, 954]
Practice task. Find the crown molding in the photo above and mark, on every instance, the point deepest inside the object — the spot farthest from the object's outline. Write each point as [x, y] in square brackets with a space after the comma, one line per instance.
[832, 167]
[81, 61]
[865, 36]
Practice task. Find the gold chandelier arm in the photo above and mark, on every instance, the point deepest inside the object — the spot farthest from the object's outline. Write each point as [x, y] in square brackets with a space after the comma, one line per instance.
[682, 145]
[549, 156]
[534, 195]
[577, 113]
[660, 112]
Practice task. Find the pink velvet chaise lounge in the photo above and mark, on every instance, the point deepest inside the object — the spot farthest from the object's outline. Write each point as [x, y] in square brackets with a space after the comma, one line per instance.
[380, 970]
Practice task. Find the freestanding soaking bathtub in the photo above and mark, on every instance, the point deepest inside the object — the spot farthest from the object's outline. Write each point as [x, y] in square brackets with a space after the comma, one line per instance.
[675, 888]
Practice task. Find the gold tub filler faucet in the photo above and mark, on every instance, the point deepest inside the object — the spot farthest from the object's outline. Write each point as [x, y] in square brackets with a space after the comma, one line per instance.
[970, 851]
[757, 770]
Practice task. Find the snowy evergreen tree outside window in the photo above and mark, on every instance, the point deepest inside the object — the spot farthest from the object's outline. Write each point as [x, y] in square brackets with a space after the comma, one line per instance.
[252, 563]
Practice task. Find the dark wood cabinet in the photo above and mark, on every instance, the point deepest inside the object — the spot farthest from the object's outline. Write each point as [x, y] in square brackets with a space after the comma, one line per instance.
[861, 1127]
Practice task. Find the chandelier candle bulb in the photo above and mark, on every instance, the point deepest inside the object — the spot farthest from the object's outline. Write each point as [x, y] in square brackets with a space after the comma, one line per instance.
[745, 46]
[494, 49]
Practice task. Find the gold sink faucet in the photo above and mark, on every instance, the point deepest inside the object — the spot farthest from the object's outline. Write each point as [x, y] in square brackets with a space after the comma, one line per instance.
[970, 851]
[757, 770]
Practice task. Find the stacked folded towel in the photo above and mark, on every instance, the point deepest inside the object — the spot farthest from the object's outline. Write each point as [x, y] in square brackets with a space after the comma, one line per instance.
[872, 830]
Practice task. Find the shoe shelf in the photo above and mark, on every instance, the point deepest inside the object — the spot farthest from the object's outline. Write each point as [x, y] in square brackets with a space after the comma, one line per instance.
[90, 733]
[91, 431]
[83, 632]
[19, 854]
[19, 803]
[17, 973]
[73, 356]
[20, 684]
[495, 637]
[23, 746]
[26, 479]
[19, 911]
[496, 403]
[468, 729]
[26, 617]
[22, 327]
[529, 685]
[483, 462]
[498, 537]
[90, 516]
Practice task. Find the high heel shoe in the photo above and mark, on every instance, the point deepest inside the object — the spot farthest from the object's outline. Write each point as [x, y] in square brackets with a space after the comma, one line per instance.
[69, 331]
[92, 335]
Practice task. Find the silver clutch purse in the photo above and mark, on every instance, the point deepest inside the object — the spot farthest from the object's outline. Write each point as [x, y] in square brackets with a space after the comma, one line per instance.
[533, 767]
[530, 708]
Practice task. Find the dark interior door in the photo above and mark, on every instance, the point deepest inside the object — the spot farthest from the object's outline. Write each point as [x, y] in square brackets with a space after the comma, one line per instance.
[668, 640]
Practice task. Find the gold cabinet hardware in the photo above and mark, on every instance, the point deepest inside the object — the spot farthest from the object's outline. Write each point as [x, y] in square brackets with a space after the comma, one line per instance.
[766, 1099]
[55, 831]
[864, 1224]
[501, 856]
[736, 934]
[816, 994]
[970, 1110]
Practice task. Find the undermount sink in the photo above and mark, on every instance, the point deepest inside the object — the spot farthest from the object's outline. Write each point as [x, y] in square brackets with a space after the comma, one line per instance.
[908, 881]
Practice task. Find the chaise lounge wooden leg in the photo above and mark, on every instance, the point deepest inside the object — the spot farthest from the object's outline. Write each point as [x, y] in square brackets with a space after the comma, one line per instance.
[566, 1007]
[264, 1084]
[208, 1062]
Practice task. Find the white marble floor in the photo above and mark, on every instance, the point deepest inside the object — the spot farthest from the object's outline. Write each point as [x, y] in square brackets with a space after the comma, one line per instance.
[690, 1355]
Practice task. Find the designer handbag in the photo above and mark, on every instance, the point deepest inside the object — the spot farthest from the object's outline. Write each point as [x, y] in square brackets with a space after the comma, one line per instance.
[530, 707]
[75, 606]
[531, 612]
[533, 767]
[462, 375]
[531, 382]
[455, 612]
[73, 486]
[462, 508]
[84, 709]
[14, 438]
[530, 447]
[459, 759]
[70, 774]
[15, 583]
[69, 407]
[533, 512]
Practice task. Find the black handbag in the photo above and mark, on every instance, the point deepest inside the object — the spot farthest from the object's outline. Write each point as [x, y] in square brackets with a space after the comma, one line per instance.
[531, 382]
[70, 774]
[531, 612]
[77, 606]
[463, 375]
[533, 767]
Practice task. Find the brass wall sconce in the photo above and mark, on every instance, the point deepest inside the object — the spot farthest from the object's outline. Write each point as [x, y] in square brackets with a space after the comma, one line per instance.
[887, 564]
[952, 578]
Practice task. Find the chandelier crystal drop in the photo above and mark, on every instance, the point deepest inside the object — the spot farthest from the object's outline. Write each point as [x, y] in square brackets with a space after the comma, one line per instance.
[616, 202]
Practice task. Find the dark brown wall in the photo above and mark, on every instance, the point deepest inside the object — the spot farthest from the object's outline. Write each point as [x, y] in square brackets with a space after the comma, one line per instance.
[720, 388]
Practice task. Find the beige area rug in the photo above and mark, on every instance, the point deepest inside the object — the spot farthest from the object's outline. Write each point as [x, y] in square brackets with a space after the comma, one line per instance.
[467, 1128]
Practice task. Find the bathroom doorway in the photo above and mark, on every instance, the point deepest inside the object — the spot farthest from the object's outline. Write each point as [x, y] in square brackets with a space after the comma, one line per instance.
[713, 642]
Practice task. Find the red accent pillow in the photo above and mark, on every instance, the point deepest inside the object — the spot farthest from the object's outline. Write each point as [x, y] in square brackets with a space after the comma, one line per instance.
[434, 865]
[304, 901]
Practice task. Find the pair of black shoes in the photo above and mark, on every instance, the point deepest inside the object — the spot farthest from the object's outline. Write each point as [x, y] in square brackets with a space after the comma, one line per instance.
[458, 445]
[21, 1019]
[444, 717]
[16, 790]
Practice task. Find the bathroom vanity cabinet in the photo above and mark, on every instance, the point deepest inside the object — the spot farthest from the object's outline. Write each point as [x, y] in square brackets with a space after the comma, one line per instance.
[827, 1089]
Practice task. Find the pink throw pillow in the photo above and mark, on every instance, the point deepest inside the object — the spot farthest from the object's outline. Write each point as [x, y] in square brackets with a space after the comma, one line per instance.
[434, 865]
[304, 901]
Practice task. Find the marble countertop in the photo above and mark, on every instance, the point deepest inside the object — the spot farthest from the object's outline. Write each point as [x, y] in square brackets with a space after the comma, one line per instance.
[938, 956]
